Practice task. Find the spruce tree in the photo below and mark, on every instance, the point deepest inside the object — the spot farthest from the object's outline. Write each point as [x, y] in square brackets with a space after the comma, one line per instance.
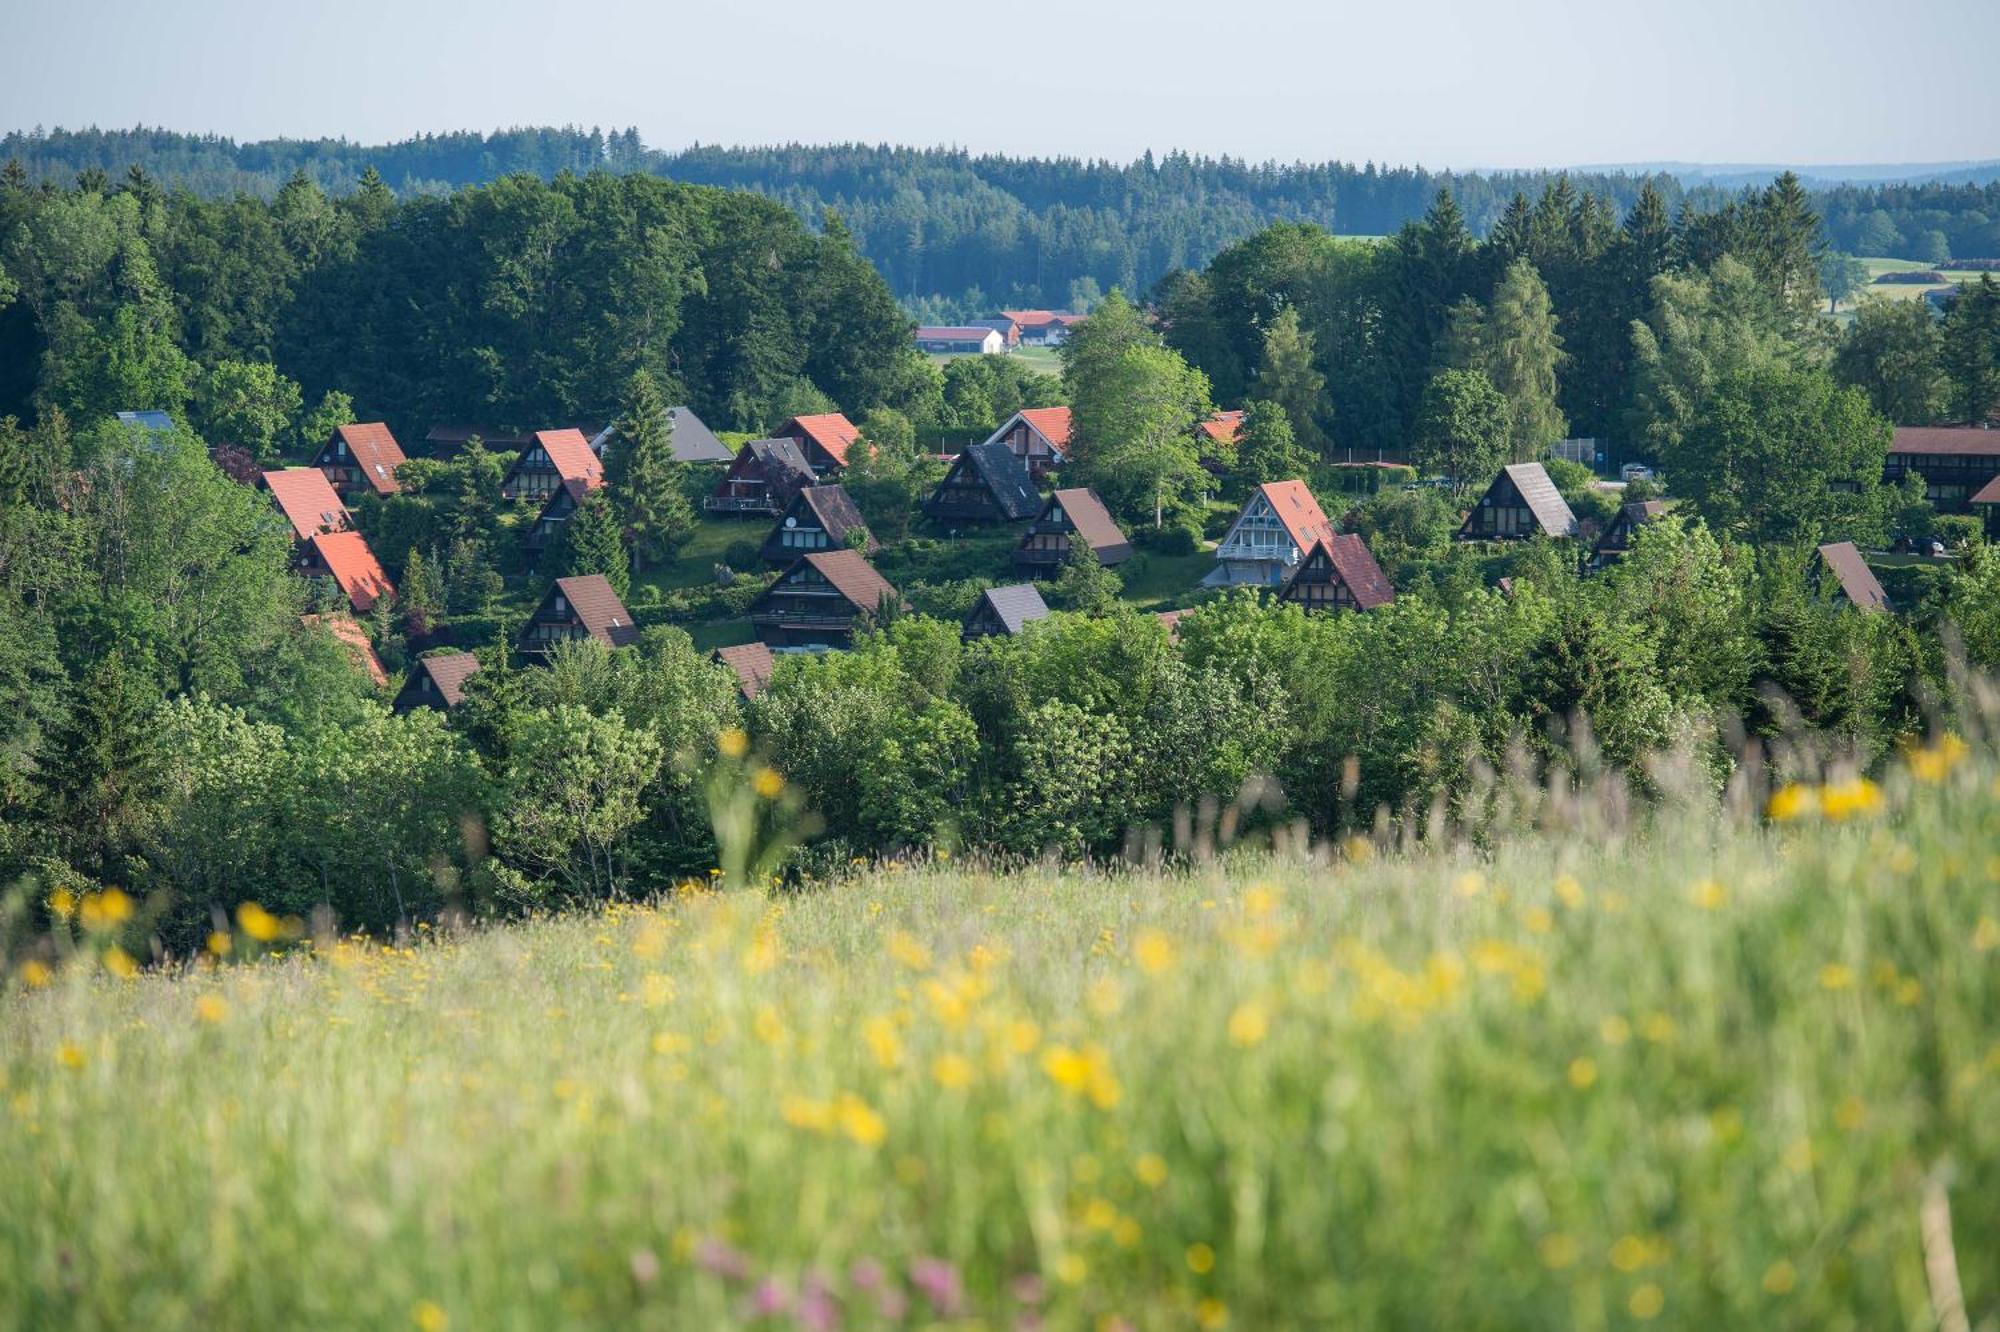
[1289, 379]
[647, 484]
[592, 544]
[1971, 351]
[93, 767]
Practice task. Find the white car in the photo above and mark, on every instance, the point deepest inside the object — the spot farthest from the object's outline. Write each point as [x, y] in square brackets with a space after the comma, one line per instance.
[1635, 472]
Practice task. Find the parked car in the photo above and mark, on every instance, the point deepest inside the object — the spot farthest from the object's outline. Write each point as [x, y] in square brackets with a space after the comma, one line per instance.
[1635, 472]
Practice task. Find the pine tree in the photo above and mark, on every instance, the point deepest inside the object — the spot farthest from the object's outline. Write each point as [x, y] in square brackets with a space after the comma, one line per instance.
[647, 484]
[1522, 352]
[1289, 379]
[93, 767]
[1971, 351]
[592, 544]
[420, 596]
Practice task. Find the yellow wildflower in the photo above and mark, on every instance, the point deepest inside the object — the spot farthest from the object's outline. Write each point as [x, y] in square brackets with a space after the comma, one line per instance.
[1657, 1028]
[70, 1055]
[429, 1316]
[1023, 1036]
[805, 1113]
[733, 743]
[953, 1072]
[1933, 763]
[219, 943]
[655, 989]
[1150, 1170]
[1630, 1253]
[119, 963]
[768, 1026]
[880, 1034]
[1260, 901]
[35, 973]
[1212, 1313]
[211, 1008]
[1538, 920]
[1647, 1301]
[1153, 951]
[1986, 935]
[1582, 1072]
[106, 910]
[1791, 801]
[907, 949]
[258, 923]
[1857, 797]
[1836, 976]
[1249, 1024]
[1615, 1030]
[1071, 1269]
[1469, 884]
[860, 1122]
[1200, 1259]
[767, 783]
[1569, 892]
[62, 904]
[1708, 895]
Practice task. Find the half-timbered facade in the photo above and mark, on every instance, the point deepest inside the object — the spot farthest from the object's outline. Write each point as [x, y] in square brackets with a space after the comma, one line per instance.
[821, 517]
[817, 602]
[551, 458]
[1065, 516]
[1338, 573]
[585, 606]
[763, 479]
[1280, 522]
[361, 456]
[985, 484]
[1522, 502]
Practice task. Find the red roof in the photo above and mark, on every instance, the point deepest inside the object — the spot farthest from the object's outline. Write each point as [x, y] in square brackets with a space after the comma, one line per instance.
[1030, 318]
[346, 557]
[1296, 508]
[570, 453]
[752, 663]
[1936, 440]
[1052, 422]
[1988, 493]
[376, 453]
[830, 430]
[1223, 427]
[1356, 565]
[307, 499]
[356, 640]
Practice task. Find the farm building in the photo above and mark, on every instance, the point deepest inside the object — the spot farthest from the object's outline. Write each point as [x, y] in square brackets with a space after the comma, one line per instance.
[586, 606]
[693, 441]
[1617, 536]
[1043, 328]
[1854, 581]
[345, 558]
[1956, 462]
[436, 682]
[448, 441]
[1066, 515]
[763, 479]
[816, 602]
[307, 499]
[818, 518]
[1338, 573]
[1004, 610]
[562, 505]
[1038, 436]
[824, 439]
[986, 484]
[354, 638]
[1521, 502]
[358, 455]
[551, 458]
[1278, 525]
[974, 339]
[1009, 331]
[752, 664]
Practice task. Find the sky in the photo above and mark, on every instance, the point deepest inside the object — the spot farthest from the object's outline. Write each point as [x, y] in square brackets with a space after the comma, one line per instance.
[1442, 83]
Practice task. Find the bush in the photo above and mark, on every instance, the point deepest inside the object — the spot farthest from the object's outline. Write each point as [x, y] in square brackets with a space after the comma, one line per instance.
[743, 554]
[1175, 540]
[1958, 529]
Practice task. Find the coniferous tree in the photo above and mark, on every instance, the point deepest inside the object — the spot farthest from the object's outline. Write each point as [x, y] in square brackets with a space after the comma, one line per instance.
[1266, 450]
[592, 544]
[1288, 378]
[648, 485]
[1521, 354]
[420, 595]
[92, 769]
[1971, 351]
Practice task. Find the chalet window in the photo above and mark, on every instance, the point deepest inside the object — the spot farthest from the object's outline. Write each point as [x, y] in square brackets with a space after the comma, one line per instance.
[340, 448]
[561, 607]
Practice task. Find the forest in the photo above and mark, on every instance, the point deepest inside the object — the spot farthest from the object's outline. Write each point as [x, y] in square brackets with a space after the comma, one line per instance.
[956, 234]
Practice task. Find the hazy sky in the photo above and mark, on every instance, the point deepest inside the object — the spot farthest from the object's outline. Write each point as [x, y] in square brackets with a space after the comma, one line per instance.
[1441, 82]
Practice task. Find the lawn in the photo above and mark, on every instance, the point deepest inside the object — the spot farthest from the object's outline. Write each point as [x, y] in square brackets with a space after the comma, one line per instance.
[1704, 1074]
[1901, 291]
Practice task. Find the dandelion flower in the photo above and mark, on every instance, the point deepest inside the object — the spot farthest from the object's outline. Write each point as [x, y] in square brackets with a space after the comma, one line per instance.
[211, 1008]
[70, 1055]
[1708, 895]
[1647, 1301]
[1249, 1024]
[429, 1316]
[1150, 1170]
[1071, 1269]
[1986, 935]
[1582, 1072]
[1212, 1313]
[1153, 951]
[860, 1122]
[767, 783]
[1836, 976]
[258, 923]
[1200, 1259]
[35, 973]
[732, 743]
[119, 963]
[1792, 801]
[953, 1072]
[1569, 892]
[1855, 798]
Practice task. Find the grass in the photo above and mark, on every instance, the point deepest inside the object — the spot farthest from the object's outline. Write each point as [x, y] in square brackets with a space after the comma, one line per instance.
[1901, 291]
[1707, 1075]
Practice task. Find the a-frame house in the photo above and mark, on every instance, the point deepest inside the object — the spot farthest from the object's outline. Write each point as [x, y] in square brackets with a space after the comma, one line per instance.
[762, 479]
[361, 456]
[986, 484]
[1065, 516]
[818, 601]
[1522, 502]
[551, 458]
[1338, 573]
[586, 606]
[822, 517]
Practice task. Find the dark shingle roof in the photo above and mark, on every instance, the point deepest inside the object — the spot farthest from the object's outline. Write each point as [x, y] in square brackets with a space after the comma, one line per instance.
[1007, 477]
[693, 441]
[1856, 579]
[1551, 510]
[1935, 441]
[1015, 605]
[852, 577]
[783, 453]
[836, 512]
[449, 671]
[598, 609]
[1093, 522]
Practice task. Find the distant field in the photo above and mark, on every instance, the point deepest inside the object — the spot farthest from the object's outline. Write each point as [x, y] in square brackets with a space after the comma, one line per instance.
[1704, 1075]
[1899, 291]
[1043, 360]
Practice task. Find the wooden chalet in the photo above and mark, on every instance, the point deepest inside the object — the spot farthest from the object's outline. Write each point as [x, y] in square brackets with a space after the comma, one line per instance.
[1986, 503]
[561, 507]
[816, 603]
[551, 458]
[1854, 581]
[824, 439]
[1038, 436]
[986, 484]
[819, 517]
[307, 499]
[1617, 536]
[345, 558]
[1522, 502]
[693, 441]
[1338, 573]
[1280, 522]
[436, 682]
[586, 606]
[350, 635]
[1066, 515]
[1956, 462]
[751, 663]
[448, 441]
[762, 479]
[361, 456]
[1004, 610]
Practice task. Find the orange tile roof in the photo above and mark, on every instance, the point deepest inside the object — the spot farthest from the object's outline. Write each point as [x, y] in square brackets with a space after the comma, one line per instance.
[1223, 426]
[308, 499]
[346, 557]
[1030, 318]
[356, 640]
[1053, 422]
[376, 453]
[1296, 508]
[832, 431]
[570, 452]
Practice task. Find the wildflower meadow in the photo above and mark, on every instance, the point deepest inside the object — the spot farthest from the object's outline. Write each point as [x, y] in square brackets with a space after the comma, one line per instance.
[1713, 1073]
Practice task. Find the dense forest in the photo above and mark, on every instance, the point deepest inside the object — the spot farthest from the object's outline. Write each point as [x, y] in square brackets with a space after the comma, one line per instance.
[956, 234]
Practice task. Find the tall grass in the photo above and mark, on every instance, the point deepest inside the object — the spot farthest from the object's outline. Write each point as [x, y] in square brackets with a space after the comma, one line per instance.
[1715, 1075]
